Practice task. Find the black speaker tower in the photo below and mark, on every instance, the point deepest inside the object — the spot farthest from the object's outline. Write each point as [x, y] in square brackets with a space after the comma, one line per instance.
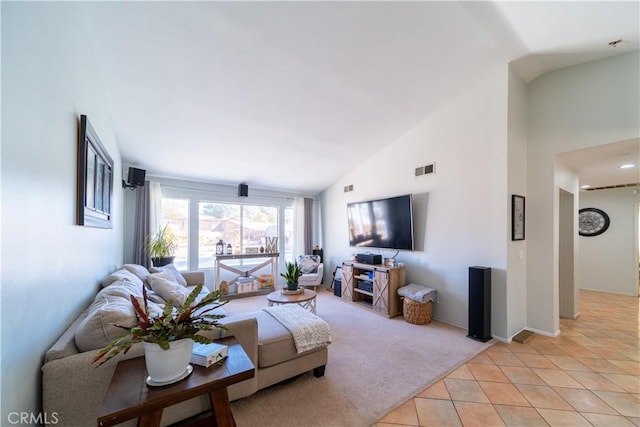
[480, 303]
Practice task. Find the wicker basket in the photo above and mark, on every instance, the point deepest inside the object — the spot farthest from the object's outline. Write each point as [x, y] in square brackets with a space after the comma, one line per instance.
[418, 313]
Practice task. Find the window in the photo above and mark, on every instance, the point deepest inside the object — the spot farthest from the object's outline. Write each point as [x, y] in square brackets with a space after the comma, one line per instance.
[241, 226]
[175, 213]
[258, 222]
[288, 234]
[216, 221]
[201, 217]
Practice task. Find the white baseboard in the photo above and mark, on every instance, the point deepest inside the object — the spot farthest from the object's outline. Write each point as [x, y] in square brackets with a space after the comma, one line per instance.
[501, 339]
[610, 292]
[545, 333]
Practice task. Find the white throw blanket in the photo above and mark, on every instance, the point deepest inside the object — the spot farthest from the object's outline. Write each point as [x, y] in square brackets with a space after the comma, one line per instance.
[308, 330]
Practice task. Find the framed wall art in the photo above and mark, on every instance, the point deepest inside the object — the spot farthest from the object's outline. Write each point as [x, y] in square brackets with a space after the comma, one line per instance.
[95, 179]
[517, 217]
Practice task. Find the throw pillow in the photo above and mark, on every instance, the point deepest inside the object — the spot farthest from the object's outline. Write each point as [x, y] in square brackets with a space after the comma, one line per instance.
[139, 270]
[121, 274]
[154, 297]
[171, 268]
[98, 327]
[308, 263]
[165, 275]
[168, 289]
[121, 288]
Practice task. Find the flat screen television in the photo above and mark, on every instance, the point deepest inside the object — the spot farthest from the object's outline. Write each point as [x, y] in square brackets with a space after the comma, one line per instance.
[384, 223]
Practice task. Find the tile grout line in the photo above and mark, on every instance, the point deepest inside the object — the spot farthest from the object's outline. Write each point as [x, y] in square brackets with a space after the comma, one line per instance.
[612, 338]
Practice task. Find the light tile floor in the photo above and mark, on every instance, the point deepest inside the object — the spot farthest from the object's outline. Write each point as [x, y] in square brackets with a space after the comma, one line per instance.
[587, 376]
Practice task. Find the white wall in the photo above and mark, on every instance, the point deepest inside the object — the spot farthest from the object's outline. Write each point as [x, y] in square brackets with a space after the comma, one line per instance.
[566, 241]
[577, 107]
[50, 266]
[460, 212]
[609, 262]
[516, 292]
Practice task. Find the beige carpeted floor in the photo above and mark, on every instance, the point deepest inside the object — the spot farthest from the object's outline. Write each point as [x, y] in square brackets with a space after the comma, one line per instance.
[375, 364]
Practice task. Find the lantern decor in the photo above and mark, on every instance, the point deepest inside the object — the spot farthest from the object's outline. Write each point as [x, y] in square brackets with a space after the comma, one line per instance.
[220, 248]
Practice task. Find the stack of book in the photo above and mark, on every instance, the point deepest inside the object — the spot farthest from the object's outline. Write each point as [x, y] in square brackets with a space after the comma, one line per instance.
[208, 354]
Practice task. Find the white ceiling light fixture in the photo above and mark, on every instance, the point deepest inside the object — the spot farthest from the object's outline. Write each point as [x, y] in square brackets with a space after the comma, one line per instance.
[627, 166]
[585, 186]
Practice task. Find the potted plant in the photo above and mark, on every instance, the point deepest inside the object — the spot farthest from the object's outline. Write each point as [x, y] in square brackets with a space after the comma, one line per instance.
[168, 337]
[292, 275]
[161, 246]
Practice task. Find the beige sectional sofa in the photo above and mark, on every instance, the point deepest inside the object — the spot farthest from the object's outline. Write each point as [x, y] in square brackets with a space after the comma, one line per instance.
[74, 389]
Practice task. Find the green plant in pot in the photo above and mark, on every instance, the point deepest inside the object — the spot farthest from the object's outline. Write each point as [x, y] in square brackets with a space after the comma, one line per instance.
[167, 336]
[161, 246]
[292, 275]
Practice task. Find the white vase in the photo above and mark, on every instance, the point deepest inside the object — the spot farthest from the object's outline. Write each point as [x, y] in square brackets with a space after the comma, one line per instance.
[165, 366]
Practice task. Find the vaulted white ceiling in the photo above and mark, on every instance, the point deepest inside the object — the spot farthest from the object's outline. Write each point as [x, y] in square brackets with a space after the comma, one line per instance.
[289, 95]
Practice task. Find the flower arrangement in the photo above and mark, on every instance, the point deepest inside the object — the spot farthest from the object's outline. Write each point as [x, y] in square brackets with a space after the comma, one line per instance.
[175, 323]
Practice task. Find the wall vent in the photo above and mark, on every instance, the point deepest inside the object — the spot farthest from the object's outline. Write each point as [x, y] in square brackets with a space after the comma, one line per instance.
[425, 170]
[428, 169]
[348, 188]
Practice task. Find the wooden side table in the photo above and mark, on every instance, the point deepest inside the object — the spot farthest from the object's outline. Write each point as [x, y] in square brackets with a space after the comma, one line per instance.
[130, 397]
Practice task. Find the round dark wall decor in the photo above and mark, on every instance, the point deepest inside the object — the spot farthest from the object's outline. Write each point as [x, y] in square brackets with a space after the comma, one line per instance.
[592, 222]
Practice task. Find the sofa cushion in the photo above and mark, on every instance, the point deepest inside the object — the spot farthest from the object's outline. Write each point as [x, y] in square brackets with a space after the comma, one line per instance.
[177, 277]
[275, 342]
[121, 274]
[168, 289]
[308, 263]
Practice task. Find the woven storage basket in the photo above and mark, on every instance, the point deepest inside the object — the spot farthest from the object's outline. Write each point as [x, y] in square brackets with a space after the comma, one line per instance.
[418, 313]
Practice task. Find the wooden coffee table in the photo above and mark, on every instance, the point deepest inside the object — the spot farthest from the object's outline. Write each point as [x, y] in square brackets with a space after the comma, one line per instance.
[130, 397]
[306, 299]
